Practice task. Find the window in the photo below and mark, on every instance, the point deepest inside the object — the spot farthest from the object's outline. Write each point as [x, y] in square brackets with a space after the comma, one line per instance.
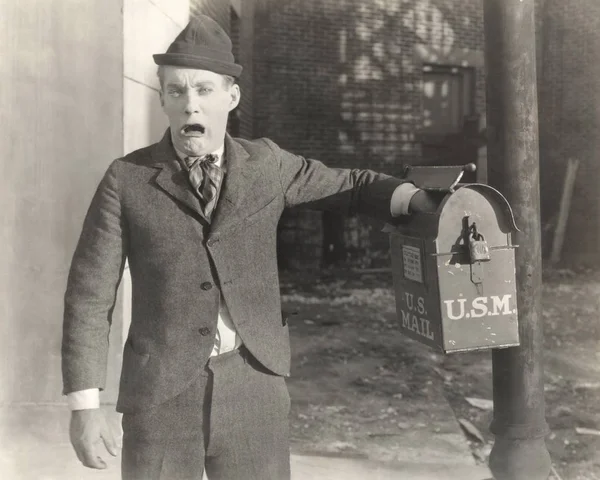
[448, 98]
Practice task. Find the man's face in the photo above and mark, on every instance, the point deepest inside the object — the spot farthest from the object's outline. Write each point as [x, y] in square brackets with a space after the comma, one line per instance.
[197, 103]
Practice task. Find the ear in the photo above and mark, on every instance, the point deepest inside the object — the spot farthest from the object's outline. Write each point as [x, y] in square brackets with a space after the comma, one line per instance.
[162, 100]
[236, 94]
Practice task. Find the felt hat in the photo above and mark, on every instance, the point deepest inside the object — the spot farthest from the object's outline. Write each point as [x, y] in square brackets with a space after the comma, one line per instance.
[204, 45]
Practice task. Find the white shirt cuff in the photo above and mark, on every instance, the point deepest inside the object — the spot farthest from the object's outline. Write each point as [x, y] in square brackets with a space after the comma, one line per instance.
[401, 199]
[84, 399]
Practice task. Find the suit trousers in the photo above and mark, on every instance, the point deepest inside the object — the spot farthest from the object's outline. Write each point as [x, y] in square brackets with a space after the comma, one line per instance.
[233, 420]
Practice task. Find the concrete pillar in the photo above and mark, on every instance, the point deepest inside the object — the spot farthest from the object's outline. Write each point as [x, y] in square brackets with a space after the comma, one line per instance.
[61, 107]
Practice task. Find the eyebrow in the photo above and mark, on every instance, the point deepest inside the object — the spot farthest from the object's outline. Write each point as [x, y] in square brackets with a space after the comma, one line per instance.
[204, 83]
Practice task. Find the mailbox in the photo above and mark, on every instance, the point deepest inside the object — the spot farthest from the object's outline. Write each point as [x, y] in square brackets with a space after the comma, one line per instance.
[454, 270]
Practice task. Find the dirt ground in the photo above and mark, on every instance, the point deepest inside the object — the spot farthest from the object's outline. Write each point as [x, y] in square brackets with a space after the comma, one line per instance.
[356, 382]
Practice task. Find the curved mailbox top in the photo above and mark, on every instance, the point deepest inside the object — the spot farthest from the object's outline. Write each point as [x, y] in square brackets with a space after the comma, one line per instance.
[475, 200]
[493, 196]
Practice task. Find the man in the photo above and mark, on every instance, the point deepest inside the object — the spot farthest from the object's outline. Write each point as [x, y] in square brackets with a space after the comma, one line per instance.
[195, 215]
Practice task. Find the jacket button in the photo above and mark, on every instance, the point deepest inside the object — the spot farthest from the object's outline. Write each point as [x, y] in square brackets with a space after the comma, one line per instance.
[206, 286]
[204, 331]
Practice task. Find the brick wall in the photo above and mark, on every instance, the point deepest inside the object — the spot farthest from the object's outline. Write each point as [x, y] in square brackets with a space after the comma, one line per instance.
[241, 119]
[569, 105]
[341, 81]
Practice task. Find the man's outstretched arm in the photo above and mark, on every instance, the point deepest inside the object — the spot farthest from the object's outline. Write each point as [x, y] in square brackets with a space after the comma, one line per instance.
[312, 184]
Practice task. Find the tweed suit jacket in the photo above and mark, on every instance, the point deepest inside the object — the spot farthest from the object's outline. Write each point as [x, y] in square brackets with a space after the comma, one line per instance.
[145, 211]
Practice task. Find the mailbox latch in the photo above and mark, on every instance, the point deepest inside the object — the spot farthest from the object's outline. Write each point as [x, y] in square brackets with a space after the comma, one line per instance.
[479, 252]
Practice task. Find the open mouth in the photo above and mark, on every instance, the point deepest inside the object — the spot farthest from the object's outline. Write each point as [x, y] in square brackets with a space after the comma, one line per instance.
[192, 129]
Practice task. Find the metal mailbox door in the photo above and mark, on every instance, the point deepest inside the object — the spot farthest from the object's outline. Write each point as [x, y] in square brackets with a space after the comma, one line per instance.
[478, 298]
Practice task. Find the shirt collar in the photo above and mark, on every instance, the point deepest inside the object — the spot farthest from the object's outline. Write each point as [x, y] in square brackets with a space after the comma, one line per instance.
[218, 152]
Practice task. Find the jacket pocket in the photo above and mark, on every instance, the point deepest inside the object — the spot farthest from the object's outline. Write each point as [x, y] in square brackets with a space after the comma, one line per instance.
[134, 364]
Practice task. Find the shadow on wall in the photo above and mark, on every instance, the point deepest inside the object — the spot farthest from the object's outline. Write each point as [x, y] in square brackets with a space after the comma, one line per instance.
[343, 82]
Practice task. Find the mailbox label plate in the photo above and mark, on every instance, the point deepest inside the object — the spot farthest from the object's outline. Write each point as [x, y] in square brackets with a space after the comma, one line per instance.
[412, 264]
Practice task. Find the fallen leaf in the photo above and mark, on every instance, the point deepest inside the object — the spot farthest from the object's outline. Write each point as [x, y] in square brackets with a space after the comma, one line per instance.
[483, 453]
[586, 385]
[482, 403]
[471, 429]
[587, 431]
[563, 410]
[339, 446]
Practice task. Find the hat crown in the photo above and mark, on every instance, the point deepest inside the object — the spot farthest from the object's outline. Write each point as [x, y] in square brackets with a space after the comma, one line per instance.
[202, 44]
[203, 32]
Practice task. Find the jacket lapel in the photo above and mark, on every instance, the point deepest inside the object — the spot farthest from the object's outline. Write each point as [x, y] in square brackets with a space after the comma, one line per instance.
[242, 174]
[172, 178]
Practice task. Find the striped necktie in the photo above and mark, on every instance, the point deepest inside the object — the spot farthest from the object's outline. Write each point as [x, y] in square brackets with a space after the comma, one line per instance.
[205, 177]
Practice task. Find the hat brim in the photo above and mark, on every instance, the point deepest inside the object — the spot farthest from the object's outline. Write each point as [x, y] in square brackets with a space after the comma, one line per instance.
[186, 60]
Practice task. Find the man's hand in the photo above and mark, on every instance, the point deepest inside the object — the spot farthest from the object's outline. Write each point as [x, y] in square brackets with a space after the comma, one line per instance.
[89, 428]
[425, 202]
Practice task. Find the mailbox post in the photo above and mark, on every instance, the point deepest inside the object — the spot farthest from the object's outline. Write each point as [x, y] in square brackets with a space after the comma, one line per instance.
[519, 424]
